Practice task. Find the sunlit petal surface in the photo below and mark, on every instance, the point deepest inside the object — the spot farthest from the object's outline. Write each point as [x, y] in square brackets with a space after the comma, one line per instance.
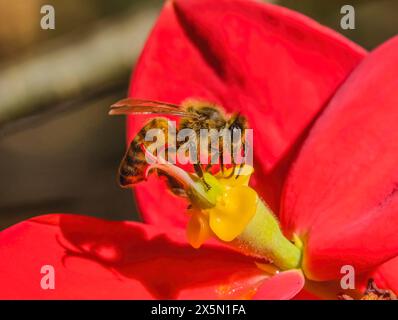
[275, 66]
[341, 195]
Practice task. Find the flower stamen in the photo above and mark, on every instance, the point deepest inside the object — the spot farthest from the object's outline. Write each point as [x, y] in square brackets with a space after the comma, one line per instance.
[372, 292]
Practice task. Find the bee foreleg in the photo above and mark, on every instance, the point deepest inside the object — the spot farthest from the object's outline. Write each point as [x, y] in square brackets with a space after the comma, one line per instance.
[221, 157]
[242, 164]
[232, 171]
[199, 172]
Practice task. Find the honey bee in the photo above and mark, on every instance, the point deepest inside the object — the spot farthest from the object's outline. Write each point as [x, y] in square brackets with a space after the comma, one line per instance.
[195, 115]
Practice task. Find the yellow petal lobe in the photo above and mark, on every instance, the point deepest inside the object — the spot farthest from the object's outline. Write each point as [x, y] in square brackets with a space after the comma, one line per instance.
[198, 229]
[234, 209]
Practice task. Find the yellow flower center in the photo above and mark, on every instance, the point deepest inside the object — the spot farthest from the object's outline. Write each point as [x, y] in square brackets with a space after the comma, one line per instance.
[235, 205]
[239, 217]
[230, 210]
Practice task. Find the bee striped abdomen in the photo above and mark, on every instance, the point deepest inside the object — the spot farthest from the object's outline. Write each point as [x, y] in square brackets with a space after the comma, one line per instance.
[133, 166]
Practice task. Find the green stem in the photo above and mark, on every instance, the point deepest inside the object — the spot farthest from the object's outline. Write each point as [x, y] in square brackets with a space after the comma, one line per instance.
[263, 238]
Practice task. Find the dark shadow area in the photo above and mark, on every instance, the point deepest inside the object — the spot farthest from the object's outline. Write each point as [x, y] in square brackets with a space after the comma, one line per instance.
[164, 266]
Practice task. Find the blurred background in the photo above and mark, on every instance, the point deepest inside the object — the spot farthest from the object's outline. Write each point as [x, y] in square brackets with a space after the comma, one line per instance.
[59, 150]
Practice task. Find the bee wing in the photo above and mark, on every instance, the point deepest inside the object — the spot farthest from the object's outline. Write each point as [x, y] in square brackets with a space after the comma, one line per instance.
[138, 106]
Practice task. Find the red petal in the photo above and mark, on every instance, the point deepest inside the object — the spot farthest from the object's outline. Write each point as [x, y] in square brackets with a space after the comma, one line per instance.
[386, 276]
[283, 286]
[306, 295]
[97, 259]
[342, 191]
[276, 66]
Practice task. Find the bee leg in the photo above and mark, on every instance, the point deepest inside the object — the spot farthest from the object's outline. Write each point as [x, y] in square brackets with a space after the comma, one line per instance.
[221, 163]
[242, 164]
[232, 158]
[239, 170]
[199, 172]
[212, 159]
[232, 171]
[233, 168]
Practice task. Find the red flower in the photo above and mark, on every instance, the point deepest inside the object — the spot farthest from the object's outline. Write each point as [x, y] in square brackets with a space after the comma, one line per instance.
[280, 70]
